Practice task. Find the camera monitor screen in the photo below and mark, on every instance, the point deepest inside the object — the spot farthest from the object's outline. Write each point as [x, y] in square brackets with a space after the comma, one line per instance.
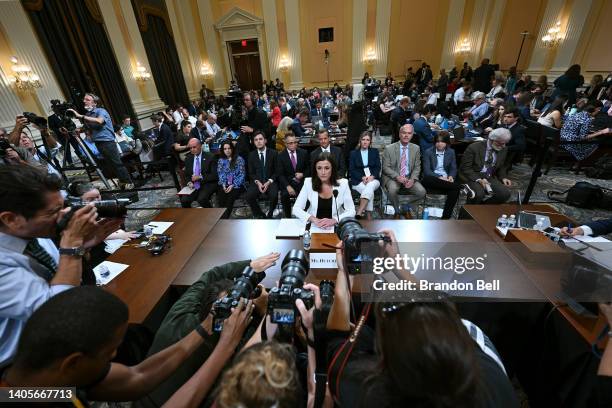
[283, 316]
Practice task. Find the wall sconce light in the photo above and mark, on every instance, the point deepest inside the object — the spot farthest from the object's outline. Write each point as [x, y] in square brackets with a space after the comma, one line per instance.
[370, 57]
[553, 37]
[141, 73]
[464, 47]
[23, 78]
[283, 65]
[206, 71]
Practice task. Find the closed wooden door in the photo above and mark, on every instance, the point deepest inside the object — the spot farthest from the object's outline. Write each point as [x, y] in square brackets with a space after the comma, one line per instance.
[248, 71]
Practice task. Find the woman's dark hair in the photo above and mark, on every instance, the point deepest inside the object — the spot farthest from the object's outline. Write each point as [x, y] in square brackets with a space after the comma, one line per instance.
[234, 152]
[273, 104]
[442, 136]
[573, 71]
[427, 357]
[557, 104]
[211, 293]
[23, 188]
[590, 108]
[316, 181]
[185, 123]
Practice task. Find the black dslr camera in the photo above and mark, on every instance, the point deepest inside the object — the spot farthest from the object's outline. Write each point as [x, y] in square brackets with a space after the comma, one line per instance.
[35, 119]
[352, 234]
[246, 287]
[4, 145]
[281, 300]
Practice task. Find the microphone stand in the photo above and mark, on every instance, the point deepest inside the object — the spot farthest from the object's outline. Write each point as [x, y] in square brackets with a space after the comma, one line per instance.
[335, 192]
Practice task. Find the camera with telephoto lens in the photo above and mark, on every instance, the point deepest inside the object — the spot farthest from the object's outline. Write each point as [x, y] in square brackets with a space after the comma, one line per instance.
[281, 300]
[35, 119]
[245, 286]
[115, 208]
[352, 234]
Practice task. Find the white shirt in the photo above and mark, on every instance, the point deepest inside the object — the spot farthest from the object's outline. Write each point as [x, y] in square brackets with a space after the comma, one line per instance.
[459, 95]
[178, 118]
[212, 129]
[326, 149]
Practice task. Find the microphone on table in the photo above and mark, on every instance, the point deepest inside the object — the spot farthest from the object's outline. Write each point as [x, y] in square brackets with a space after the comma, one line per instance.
[335, 192]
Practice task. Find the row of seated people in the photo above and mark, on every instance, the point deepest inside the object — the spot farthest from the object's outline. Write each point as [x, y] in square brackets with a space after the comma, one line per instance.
[296, 174]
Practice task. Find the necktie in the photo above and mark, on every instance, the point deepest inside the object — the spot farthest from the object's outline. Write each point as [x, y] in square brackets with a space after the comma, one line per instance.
[37, 252]
[404, 162]
[263, 166]
[293, 161]
[197, 172]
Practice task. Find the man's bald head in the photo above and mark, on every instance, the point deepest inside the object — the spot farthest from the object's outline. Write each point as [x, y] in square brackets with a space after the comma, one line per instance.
[195, 146]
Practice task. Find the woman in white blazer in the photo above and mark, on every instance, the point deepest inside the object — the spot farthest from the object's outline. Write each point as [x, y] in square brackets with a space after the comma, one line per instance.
[318, 190]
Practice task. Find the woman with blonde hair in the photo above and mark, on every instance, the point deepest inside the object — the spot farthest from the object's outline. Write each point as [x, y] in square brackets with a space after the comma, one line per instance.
[262, 376]
[281, 131]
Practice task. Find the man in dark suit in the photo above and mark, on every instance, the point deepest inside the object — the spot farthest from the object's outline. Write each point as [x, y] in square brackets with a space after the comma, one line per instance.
[483, 76]
[483, 171]
[400, 116]
[263, 176]
[423, 76]
[199, 131]
[201, 171]
[256, 118]
[517, 144]
[192, 108]
[292, 169]
[164, 139]
[601, 227]
[323, 113]
[325, 146]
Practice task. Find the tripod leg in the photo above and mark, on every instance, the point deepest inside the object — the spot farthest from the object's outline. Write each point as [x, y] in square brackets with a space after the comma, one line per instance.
[91, 160]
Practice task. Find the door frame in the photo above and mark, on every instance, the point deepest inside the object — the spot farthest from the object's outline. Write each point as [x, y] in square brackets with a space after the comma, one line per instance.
[232, 55]
[238, 25]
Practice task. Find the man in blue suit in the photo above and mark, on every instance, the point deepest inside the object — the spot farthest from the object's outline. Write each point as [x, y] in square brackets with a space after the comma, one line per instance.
[440, 172]
[422, 128]
[323, 113]
[601, 227]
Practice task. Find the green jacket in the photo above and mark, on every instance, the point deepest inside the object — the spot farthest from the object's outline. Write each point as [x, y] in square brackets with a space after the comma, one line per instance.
[182, 318]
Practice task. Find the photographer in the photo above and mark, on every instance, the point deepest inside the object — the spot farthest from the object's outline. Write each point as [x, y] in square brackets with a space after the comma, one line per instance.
[194, 308]
[99, 120]
[32, 268]
[39, 155]
[425, 355]
[13, 155]
[71, 341]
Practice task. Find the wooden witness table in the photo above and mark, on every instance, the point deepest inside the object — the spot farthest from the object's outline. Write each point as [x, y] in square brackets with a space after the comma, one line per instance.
[234, 240]
[148, 277]
[486, 216]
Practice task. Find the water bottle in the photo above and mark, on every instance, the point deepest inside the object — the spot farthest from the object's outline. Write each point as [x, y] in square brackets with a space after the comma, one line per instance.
[426, 213]
[148, 231]
[206, 148]
[306, 240]
[512, 221]
[502, 221]
[539, 226]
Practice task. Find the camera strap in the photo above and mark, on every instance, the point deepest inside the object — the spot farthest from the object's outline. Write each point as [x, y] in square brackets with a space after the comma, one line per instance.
[341, 358]
[320, 347]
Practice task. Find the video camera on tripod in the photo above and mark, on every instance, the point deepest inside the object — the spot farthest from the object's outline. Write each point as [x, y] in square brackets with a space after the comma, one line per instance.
[65, 117]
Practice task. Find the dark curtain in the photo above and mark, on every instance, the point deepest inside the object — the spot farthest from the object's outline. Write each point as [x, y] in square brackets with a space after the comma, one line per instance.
[73, 36]
[164, 61]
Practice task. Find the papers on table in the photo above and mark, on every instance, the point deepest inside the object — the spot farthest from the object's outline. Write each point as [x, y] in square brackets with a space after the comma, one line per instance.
[435, 212]
[112, 245]
[315, 229]
[586, 238]
[290, 228]
[159, 227]
[107, 271]
[187, 190]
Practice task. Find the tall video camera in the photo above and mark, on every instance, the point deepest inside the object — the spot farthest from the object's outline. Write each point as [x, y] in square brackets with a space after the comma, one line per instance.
[60, 109]
[352, 234]
[246, 287]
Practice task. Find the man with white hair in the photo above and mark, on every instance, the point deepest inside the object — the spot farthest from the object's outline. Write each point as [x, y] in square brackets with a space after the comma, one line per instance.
[211, 125]
[480, 108]
[482, 168]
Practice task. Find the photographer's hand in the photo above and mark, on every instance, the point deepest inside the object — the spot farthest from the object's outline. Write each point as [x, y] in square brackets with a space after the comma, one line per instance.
[101, 231]
[261, 302]
[264, 262]
[605, 366]
[81, 225]
[307, 314]
[235, 325]
[339, 315]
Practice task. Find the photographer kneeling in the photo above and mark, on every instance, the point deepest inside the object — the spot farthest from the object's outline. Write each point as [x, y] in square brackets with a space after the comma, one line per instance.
[33, 268]
[420, 354]
[194, 308]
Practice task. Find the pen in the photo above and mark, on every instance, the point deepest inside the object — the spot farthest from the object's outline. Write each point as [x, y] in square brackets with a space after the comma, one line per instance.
[569, 228]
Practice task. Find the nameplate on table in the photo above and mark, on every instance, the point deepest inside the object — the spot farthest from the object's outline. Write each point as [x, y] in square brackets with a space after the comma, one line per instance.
[323, 260]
